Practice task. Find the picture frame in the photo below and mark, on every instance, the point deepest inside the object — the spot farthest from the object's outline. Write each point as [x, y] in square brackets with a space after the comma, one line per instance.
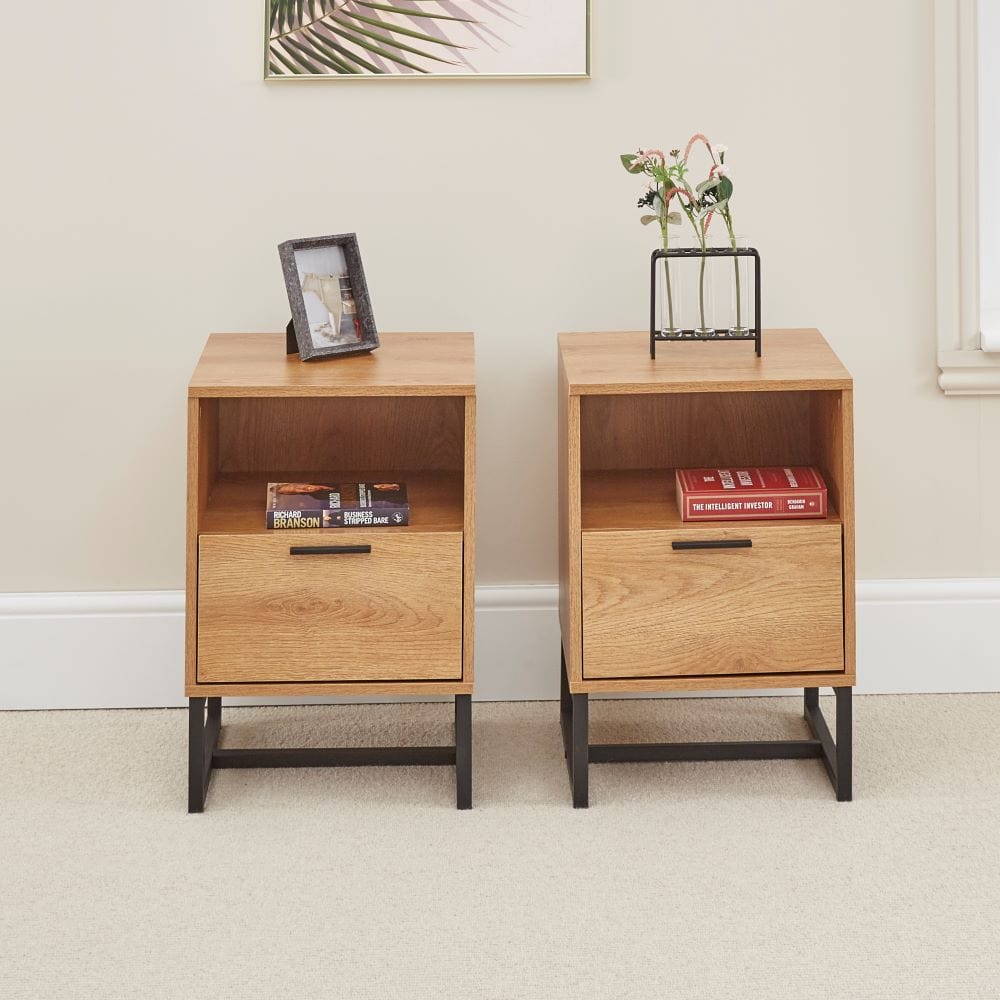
[426, 39]
[328, 295]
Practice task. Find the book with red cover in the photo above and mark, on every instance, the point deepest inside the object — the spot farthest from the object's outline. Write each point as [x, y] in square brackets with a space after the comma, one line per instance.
[750, 494]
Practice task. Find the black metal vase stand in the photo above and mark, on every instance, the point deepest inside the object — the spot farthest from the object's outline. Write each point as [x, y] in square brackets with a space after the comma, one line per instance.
[718, 335]
[580, 752]
[204, 755]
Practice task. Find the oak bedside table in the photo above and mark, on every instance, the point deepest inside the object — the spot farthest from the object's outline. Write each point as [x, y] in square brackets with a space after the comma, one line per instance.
[651, 603]
[336, 611]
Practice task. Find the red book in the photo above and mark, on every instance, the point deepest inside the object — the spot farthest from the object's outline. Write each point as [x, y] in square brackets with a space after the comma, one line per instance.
[750, 494]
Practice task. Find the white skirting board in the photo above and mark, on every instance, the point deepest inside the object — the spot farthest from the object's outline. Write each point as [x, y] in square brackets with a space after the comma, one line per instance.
[125, 649]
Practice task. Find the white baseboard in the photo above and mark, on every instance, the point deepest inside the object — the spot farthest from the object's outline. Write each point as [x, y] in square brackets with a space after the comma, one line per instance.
[125, 649]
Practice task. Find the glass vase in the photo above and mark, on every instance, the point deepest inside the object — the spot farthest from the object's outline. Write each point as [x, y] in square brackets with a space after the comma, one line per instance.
[669, 295]
[684, 290]
[697, 286]
[704, 272]
[740, 288]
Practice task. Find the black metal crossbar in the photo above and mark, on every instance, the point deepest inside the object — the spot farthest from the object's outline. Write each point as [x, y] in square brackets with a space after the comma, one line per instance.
[333, 757]
[641, 753]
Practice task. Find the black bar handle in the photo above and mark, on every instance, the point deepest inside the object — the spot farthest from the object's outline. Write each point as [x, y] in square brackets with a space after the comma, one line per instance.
[721, 543]
[326, 550]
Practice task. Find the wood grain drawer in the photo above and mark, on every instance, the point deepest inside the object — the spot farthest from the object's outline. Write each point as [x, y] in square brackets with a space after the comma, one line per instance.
[651, 609]
[391, 614]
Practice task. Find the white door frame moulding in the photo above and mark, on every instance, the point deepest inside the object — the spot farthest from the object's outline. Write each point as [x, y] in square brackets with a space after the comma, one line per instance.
[966, 370]
[125, 649]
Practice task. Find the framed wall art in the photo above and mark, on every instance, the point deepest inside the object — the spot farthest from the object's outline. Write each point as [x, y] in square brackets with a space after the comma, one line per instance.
[331, 312]
[345, 39]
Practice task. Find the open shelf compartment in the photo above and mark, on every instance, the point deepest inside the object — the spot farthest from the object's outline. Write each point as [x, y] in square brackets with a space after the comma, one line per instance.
[630, 446]
[245, 443]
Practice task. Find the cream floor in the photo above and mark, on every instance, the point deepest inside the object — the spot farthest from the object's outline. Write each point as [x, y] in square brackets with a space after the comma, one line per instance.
[742, 880]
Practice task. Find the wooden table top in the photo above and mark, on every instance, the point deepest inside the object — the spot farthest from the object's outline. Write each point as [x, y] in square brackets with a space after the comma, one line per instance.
[406, 364]
[619, 363]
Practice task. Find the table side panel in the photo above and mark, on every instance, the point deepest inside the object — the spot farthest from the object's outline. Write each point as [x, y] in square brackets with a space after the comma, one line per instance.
[202, 470]
[833, 444]
[570, 616]
[469, 545]
[847, 498]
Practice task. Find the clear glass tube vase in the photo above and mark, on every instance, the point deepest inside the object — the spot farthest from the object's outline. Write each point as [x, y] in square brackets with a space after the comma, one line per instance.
[684, 291]
[740, 287]
[669, 296]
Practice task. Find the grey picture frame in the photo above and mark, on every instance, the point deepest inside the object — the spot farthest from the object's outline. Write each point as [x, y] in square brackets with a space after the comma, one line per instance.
[302, 336]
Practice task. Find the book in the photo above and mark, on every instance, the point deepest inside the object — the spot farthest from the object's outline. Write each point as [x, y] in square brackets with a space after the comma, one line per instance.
[337, 505]
[753, 493]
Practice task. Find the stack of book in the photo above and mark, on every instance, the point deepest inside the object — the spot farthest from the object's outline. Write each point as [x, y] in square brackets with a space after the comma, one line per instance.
[750, 494]
[337, 505]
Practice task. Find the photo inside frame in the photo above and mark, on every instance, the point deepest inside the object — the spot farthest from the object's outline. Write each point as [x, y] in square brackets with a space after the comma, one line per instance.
[410, 38]
[328, 297]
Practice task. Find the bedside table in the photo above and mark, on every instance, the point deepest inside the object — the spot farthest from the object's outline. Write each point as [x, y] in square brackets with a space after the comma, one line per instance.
[651, 603]
[338, 611]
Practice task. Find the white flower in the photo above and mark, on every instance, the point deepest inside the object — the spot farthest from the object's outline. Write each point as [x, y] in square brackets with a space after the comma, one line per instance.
[721, 171]
[719, 151]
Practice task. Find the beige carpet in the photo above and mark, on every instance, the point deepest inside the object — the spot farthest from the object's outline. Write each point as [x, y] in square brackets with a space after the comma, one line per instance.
[685, 881]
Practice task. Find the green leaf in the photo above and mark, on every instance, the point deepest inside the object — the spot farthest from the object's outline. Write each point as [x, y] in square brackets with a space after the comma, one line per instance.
[628, 162]
[303, 55]
[359, 36]
[725, 189]
[338, 55]
[283, 14]
[352, 33]
[401, 31]
[333, 36]
[647, 219]
[674, 218]
[410, 12]
[293, 59]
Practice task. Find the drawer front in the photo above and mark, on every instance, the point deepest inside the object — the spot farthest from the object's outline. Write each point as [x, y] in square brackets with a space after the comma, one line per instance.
[391, 614]
[658, 604]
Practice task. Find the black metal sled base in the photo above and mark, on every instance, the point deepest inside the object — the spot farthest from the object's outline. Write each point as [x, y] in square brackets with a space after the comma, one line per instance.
[204, 756]
[574, 719]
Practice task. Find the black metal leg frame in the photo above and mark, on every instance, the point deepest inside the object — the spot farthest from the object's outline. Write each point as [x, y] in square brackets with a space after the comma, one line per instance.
[580, 752]
[204, 754]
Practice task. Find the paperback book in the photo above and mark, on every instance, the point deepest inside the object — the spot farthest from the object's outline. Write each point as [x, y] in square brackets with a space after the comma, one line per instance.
[337, 505]
[749, 494]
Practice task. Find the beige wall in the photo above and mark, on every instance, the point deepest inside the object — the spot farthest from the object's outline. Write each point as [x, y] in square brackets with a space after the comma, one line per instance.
[150, 174]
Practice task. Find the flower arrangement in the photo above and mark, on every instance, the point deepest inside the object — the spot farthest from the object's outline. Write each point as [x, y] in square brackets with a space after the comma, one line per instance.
[673, 197]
